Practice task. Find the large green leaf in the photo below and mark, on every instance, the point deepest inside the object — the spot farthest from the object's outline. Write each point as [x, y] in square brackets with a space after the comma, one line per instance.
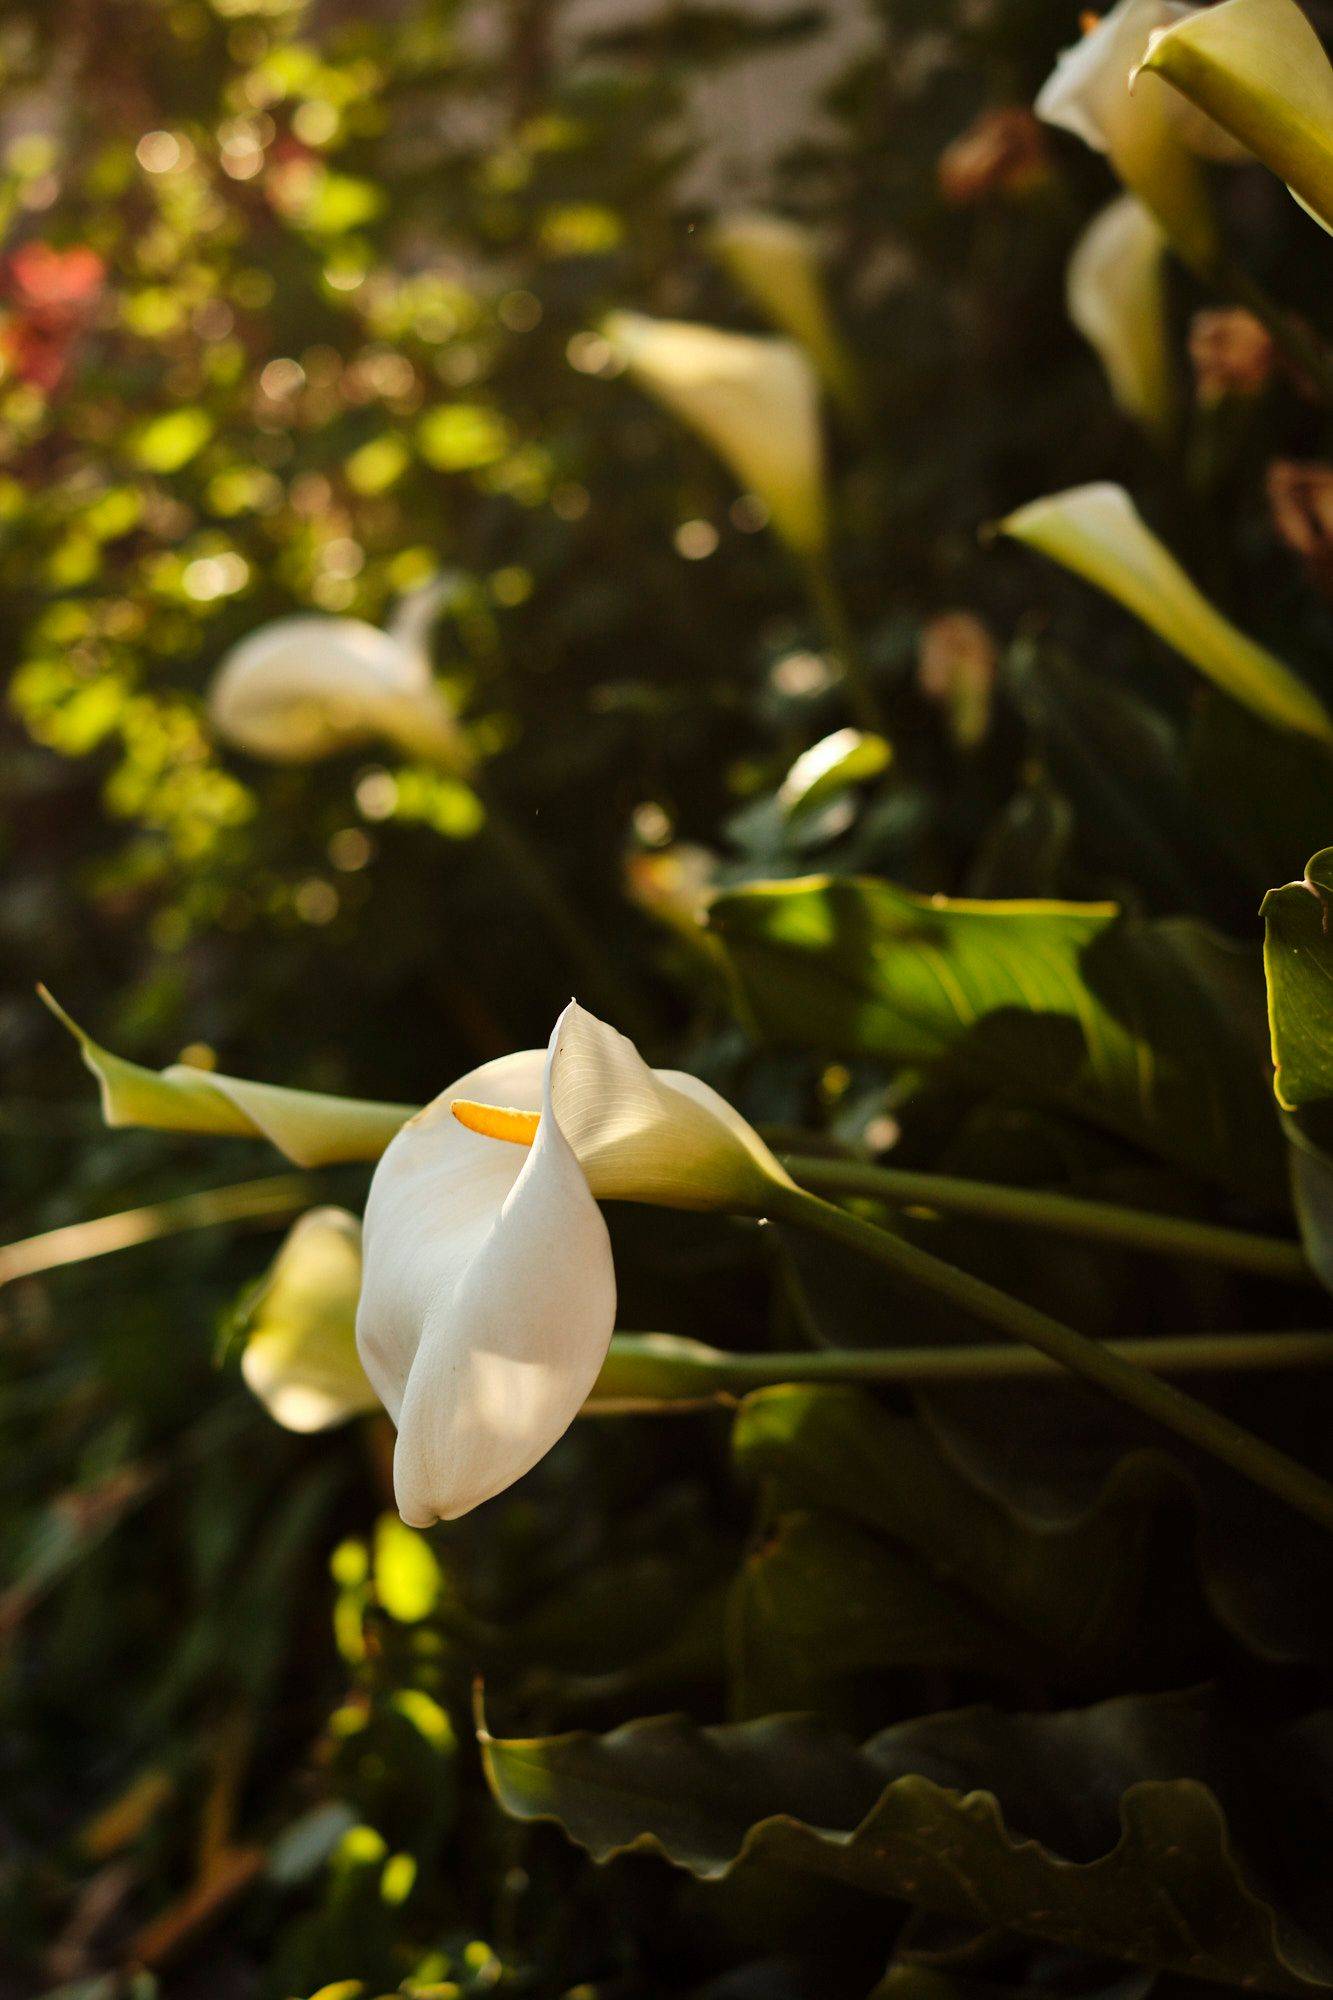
[1123, 1830]
[1153, 1031]
[1298, 959]
[1053, 1599]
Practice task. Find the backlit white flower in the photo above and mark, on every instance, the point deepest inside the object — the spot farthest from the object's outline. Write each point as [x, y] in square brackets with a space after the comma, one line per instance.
[311, 686]
[1153, 148]
[300, 1355]
[1258, 68]
[753, 398]
[1098, 533]
[489, 1297]
[777, 262]
[1117, 299]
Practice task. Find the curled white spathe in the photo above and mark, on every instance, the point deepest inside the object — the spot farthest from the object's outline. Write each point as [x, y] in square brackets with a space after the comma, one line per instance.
[1151, 135]
[488, 1298]
[307, 687]
[753, 397]
[300, 1354]
[1116, 293]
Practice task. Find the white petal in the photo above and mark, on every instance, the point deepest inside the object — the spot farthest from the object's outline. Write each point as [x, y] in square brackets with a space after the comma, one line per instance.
[1097, 532]
[1117, 300]
[512, 1340]
[433, 1200]
[300, 1358]
[651, 1135]
[307, 687]
[310, 1129]
[754, 399]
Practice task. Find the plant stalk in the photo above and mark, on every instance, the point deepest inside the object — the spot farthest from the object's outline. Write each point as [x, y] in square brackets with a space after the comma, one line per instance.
[1261, 1463]
[1060, 1214]
[826, 601]
[663, 1367]
[266, 1201]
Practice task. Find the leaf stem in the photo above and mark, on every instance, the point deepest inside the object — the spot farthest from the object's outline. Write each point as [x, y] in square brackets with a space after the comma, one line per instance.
[648, 1368]
[826, 601]
[269, 1200]
[1263, 1464]
[588, 957]
[1060, 1214]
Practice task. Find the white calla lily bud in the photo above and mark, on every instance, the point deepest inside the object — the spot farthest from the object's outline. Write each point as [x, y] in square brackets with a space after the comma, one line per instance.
[311, 1129]
[308, 687]
[1259, 70]
[1116, 293]
[489, 1297]
[300, 1355]
[776, 261]
[754, 399]
[1153, 147]
[1097, 532]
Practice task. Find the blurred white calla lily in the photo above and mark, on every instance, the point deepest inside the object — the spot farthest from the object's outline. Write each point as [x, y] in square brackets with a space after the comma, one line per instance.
[1153, 147]
[489, 1296]
[311, 1129]
[753, 398]
[1097, 532]
[776, 261]
[311, 686]
[300, 1355]
[1259, 70]
[1116, 293]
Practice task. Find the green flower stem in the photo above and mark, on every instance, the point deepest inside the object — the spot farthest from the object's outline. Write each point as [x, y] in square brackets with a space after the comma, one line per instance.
[1304, 349]
[1124, 1380]
[266, 1201]
[827, 604]
[655, 1367]
[589, 960]
[1060, 1214]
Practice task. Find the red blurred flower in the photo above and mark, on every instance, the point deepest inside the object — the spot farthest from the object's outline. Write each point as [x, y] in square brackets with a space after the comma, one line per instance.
[53, 296]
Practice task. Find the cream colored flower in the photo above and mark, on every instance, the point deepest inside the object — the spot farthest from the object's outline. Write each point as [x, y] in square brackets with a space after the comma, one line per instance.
[1152, 147]
[1097, 532]
[308, 687]
[300, 1355]
[1117, 299]
[776, 261]
[489, 1297]
[754, 399]
[311, 1129]
[1259, 70]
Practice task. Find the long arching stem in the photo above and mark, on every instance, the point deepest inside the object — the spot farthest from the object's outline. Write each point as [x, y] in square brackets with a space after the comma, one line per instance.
[1058, 1215]
[1128, 1383]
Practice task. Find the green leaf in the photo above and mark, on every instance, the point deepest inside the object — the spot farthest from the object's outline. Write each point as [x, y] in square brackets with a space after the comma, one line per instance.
[1119, 1830]
[1057, 1596]
[1298, 960]
[311, 1129]
[820, 1602]
[848, 757]
[1153, 1031]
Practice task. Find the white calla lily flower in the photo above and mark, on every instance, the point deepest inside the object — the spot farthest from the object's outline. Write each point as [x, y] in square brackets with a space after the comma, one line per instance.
[776, 261]
[489, 1296]
[753, 398]
[1151, 143]
[310, 686]
[1097, 532]
[311, 1129]
[300, 1355]
[1116, 293]
[1259, 70]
